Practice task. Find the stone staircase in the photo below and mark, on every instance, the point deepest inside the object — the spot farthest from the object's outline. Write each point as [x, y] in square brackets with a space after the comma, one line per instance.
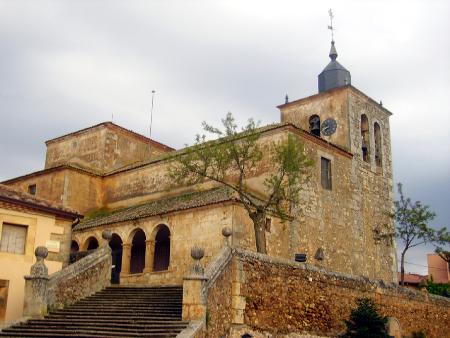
[112, 312]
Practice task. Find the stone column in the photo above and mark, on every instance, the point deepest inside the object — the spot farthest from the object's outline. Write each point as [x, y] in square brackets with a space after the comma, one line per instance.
[36, 286]
[149, 255]
[126, 257]
[194, 304]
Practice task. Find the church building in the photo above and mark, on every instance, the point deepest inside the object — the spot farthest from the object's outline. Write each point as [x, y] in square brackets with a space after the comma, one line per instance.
[118, 180]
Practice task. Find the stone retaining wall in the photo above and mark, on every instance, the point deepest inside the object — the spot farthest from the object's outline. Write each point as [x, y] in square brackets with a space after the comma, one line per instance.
[284, 297]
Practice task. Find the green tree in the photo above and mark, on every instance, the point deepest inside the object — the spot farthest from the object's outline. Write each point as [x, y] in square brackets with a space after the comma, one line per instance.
[365, 321]
[412, 229]
[234, 157]
[444, 254]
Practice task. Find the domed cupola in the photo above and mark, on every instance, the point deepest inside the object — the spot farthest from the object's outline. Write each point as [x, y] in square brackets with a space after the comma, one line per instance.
[334, 75]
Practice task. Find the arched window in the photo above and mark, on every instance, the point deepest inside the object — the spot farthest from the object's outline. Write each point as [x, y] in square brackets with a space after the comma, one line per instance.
[378, 152]
[92, 243]
[137, 261]
[365, 138]
[314, 125]
[162, 249]
[74, 247]
[116, 253]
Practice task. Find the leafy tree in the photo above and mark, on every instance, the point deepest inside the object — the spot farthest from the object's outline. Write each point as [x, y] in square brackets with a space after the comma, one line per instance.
[233, 158]
[444, 254]
[412, 227]
[365, 321]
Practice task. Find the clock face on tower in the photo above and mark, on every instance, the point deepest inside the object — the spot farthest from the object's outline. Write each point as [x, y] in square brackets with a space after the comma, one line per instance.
[328, 127]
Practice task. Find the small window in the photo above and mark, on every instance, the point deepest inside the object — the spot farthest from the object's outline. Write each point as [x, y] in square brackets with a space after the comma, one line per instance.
[314, 125]
[13, 238]
[32, 189]
[325, 173]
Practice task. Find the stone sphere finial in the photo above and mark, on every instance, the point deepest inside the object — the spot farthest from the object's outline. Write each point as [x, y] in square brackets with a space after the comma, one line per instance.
[226, 232]
[39, 269]
[107, 235]
[41, 252]
[197, 253]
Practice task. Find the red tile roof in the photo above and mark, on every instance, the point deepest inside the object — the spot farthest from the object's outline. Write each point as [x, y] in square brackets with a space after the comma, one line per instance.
[412, 278]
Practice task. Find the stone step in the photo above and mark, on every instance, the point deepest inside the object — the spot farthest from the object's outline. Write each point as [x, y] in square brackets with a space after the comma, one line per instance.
[116, 322]
[85, 333]
[93, 325]
[112, 312]
[124, 311]
[106, 301]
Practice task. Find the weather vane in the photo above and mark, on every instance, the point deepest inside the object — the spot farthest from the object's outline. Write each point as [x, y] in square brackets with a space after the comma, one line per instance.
[330, 27]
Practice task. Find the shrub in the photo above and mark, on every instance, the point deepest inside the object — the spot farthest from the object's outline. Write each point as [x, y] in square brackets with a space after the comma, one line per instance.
[365, 321]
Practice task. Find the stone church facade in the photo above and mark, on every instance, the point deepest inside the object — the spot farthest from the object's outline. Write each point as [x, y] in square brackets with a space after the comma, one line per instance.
[118, 180]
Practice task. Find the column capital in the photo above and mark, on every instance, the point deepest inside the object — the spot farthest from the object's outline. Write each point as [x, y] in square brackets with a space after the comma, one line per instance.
[126, 245]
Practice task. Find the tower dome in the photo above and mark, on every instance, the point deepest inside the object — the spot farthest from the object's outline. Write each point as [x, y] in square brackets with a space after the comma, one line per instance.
[334, 74]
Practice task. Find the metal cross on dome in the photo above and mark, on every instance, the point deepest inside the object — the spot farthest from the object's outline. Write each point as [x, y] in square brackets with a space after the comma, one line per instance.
[330, 27]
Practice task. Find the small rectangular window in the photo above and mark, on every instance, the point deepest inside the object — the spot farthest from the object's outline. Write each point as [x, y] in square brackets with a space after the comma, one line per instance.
[325, 173]
[32, 189]
[13, 238]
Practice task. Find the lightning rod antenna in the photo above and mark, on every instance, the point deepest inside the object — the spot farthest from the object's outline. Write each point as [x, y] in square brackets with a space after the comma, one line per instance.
[151, 113]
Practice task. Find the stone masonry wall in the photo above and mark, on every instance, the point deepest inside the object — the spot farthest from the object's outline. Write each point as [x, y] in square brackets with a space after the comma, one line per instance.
[219, 304]
[81, 279]
[284, 297]
[102, 148]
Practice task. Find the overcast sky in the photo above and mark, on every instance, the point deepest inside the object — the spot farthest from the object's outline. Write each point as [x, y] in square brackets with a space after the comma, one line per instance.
[67, 65]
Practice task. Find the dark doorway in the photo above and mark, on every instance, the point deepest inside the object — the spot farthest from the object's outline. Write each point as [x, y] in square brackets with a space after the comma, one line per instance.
[116, 252]
[162, 249]
[74, 247]
[92, 244]
[137, 262]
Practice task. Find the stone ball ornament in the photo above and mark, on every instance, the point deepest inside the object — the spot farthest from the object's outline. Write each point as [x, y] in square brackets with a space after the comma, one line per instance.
[41, 252]
[227, 232]
[107, 235]
[197, 253]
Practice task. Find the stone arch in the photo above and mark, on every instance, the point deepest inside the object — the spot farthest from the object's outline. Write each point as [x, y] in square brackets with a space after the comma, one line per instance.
[365, 138]
[74, 246]
[116, 254]
[393, 327]
[91, 243]
[138, 248]
[378, 151]
[314, 125]
[161, 258]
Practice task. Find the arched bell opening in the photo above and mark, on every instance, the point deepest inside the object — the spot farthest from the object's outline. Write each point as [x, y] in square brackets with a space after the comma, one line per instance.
[378, 153]
[365, 138]
[161, 258]
[314, 125]
[116, 253]
[137, 261]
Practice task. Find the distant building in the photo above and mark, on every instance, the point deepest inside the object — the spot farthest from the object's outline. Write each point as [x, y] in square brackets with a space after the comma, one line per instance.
[412, 280]
[438, 269]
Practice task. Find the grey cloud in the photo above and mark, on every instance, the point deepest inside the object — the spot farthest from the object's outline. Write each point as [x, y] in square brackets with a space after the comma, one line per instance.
[66, 65]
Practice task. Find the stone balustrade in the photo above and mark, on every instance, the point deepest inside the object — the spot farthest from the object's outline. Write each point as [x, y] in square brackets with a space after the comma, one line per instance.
[78, 280]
